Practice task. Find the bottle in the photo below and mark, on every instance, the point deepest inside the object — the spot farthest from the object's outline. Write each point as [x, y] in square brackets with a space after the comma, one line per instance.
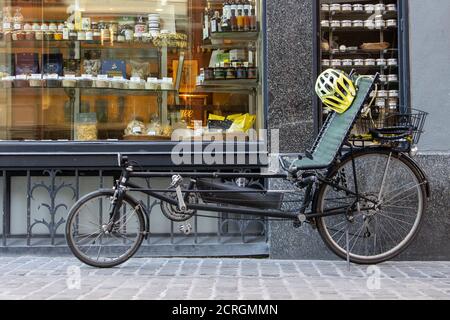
[240, 6]
[225, 24]
[240, 20]
[233, 21]
[233, 6]
[253, 23]
[247, 6]
[246, 20]
[206, 23]
[227, 9]
[66, 32]
[216, 23]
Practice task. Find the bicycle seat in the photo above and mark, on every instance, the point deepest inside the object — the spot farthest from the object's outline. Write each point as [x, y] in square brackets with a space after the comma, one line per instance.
[334, 132]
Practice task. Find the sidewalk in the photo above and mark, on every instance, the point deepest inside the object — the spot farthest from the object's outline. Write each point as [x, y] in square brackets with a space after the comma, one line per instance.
[247, 279]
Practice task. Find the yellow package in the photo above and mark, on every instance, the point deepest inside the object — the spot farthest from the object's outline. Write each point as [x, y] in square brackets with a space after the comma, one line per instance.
[234, 116]
[216, 117]
[243, 123]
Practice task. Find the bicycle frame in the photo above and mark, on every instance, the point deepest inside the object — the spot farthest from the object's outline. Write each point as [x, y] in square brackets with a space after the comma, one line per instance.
[124, 185]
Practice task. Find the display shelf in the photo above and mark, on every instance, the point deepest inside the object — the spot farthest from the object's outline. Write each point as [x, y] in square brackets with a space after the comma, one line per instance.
[361, 67]
[235, 36]
[86, 91]
[358, 15]
[228, 46]
[361, 52]
[83, 44]
[357, 29]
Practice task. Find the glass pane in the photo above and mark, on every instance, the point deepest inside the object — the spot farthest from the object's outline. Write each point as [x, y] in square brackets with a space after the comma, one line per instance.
[363, 36]
[130, 70]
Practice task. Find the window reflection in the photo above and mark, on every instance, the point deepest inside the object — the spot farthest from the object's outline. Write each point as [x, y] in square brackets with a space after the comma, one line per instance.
[129, 70]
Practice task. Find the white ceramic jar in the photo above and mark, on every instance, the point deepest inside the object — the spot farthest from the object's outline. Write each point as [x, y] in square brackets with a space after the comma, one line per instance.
[336, 63]
[380, 24]
[383, 78]
[392, 78]
[358, 62]
[393, 94]
[382, 94]
[357, 7]
[381, 62]
[370, 24]
[335, 23]
[392, 7]
[391, 23]
[346, 23]
[358, 23]
[325, 23]
[392, 62]
[335, 7]
[369, 62]
[380, 7]
[347, 62]
[369, 8]
[346, 7]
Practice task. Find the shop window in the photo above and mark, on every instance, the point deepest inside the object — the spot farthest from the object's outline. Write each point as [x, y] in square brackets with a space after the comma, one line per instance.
[130, 70]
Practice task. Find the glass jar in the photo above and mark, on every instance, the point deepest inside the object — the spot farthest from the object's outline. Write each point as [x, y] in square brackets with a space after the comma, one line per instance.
[58, 35]
[209, 73]
[81, 36]
[73, 35]
[28, 27]
[86, 127]
[36, 26]
[53, 27]
[48, 36]
[29, 35]
[219, 73]
[39, 35]
[252, 73]
[241, 73]
[89, 35]
[230, 73]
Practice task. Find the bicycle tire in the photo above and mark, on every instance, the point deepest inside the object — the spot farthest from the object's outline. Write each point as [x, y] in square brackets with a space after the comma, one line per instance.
[321, 223]
[73, 247]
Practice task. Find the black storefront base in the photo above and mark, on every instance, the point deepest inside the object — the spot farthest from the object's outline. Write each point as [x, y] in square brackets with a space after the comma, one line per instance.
[96, 155]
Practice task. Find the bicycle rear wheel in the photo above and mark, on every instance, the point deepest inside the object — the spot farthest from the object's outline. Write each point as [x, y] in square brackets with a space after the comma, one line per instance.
[88, 238]
[378, 229]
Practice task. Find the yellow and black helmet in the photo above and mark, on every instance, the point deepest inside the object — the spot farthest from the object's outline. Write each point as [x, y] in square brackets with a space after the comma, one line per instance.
[336, 90]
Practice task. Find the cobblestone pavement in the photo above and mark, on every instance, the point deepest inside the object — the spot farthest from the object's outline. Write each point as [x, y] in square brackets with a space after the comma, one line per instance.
[247, 279]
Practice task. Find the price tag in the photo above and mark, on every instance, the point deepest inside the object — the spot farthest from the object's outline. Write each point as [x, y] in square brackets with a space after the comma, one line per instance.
[21, 77]
[118, 78]
[52, 76]
[86, 76]
[137, 130]
[102, 77]
[135, 79]
[35, 76]
[6, 25]
[17, 26]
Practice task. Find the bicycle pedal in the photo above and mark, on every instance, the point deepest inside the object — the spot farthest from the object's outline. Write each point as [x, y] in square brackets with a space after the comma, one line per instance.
[186, 229]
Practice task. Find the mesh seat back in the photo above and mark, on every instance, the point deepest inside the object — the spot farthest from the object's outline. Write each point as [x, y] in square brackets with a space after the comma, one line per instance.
[335, 130]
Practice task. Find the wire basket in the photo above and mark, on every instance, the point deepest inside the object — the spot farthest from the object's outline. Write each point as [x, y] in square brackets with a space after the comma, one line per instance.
[392, 127]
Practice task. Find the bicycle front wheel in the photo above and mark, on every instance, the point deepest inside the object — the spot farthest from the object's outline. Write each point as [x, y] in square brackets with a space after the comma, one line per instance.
[384, 223]
[88, 236]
